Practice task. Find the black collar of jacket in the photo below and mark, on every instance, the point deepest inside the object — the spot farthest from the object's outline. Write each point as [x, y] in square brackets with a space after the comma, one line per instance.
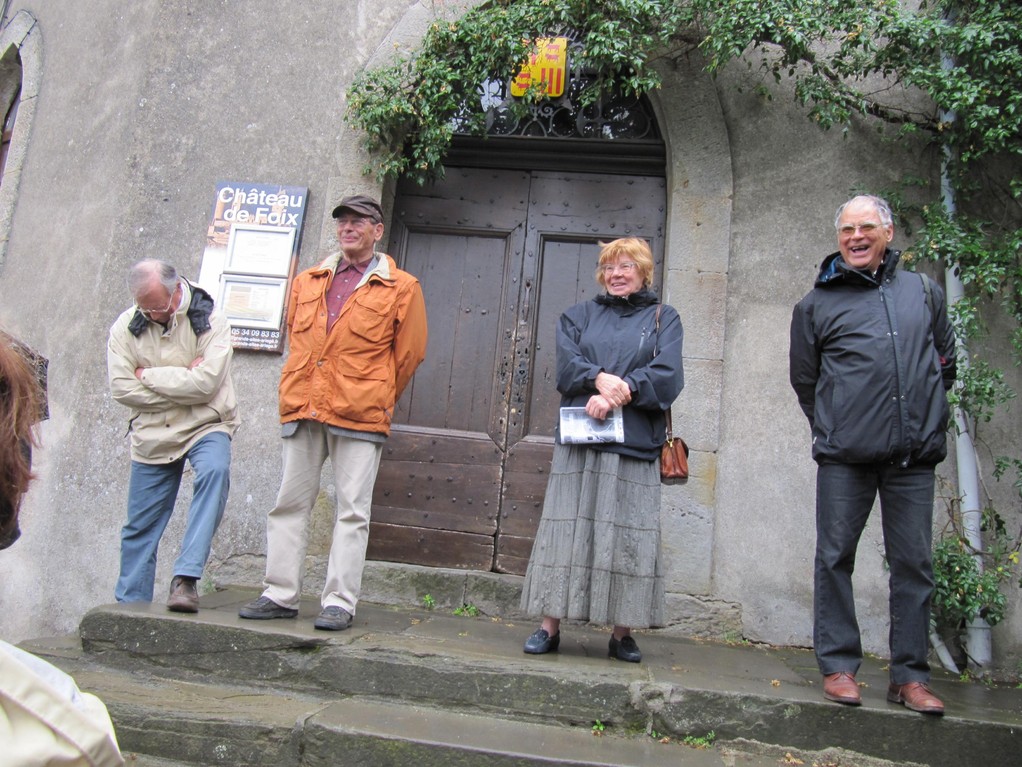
[199, 309]
[834, 271]
[640, 298]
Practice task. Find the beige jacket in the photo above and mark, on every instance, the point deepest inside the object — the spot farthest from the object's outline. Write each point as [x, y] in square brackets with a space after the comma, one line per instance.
[173, 407]
[46, 719]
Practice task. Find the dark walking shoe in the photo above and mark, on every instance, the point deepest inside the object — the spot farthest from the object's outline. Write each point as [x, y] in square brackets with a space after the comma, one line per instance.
[916, 696]
[333, 618]
[625, 649]
[540, 642]
[842, 688]
[265, 608]
[184, 597]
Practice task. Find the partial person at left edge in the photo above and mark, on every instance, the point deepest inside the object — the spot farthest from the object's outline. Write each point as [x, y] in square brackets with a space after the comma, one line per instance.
[169, 362]
[44, 717]
[22, 406]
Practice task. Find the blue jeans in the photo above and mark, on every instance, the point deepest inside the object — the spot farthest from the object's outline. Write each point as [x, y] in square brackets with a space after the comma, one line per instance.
[844, 498]
[152, 492]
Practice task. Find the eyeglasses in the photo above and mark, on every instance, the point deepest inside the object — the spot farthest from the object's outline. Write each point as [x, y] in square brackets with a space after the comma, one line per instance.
[148, 313]
[627, 267]
[868, 228]
[356, 221]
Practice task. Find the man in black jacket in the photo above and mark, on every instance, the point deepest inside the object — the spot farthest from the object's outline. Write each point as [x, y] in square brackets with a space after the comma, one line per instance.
[871, 358]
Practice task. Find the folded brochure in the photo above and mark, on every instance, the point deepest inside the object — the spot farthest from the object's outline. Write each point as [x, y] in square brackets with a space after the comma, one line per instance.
[578, 427]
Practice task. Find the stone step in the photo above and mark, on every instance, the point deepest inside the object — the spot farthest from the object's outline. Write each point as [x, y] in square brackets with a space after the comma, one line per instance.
[388, 653]
[163, 722]
[476, 666]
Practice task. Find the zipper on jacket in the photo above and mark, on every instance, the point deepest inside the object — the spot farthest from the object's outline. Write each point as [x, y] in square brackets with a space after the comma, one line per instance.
[903, 459]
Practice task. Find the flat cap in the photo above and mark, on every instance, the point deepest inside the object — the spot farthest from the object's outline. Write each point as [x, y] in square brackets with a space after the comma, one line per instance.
[364, 206]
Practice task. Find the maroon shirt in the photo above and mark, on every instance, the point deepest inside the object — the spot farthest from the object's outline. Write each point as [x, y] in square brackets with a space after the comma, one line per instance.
[346, 279]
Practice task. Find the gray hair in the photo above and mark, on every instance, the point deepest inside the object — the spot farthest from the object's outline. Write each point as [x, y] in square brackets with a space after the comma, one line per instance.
[141, 275]
[881, 205]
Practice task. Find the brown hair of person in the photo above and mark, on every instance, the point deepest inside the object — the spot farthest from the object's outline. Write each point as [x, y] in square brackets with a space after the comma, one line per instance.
[19, 410]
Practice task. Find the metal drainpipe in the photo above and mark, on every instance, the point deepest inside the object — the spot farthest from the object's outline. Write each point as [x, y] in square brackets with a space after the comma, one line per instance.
[978, 639]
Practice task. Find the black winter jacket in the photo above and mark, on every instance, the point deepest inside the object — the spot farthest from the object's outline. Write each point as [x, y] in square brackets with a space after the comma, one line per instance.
[618, 335]
[870, 361]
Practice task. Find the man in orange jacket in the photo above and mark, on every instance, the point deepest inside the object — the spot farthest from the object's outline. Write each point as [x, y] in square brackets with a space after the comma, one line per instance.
[357, 331]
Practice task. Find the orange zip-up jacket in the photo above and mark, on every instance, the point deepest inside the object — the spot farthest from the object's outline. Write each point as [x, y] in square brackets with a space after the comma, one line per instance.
[353, 376]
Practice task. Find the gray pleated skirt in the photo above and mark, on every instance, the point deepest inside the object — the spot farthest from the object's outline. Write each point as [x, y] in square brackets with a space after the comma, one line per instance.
[596, 556]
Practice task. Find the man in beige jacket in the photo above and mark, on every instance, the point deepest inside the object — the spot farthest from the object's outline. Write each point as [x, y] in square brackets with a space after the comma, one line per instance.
[169, 360]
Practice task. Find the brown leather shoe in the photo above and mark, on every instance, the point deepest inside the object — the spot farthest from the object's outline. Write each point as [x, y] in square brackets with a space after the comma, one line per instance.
[184, 598]
[916, 696]
[842, 688]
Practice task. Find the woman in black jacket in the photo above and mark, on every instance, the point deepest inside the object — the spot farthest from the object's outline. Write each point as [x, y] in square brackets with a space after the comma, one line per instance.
[596, 556]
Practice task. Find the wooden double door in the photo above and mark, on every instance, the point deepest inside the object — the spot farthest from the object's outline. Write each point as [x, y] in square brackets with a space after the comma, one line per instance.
[500, 254]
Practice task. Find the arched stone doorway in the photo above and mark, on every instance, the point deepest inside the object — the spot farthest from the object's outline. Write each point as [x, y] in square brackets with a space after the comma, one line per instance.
[697, 245]
[502, 245]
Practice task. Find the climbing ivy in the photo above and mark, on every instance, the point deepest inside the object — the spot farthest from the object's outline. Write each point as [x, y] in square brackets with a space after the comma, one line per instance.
[961, 592]
[831, 49]
[406, 110]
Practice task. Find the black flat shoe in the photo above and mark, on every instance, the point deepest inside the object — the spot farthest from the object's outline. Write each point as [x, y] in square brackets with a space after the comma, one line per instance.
[540, 642]
[624, 649]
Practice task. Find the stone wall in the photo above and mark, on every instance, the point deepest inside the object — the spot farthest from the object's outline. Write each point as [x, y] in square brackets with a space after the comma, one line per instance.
[134, 111]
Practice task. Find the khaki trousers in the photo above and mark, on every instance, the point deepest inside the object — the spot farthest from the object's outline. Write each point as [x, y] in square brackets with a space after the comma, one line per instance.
[355, 463]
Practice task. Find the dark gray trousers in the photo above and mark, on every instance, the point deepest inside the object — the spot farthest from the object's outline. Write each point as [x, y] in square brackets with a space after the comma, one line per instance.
[844, 497]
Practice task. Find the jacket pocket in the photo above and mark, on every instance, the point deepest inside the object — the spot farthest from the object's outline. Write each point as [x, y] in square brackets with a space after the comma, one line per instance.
[296, 361]
[305, 311]
[293, 392]
[370, 319]
[149, 433]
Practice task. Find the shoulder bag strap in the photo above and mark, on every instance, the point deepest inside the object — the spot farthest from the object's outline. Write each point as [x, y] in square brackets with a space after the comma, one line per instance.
[667, 413]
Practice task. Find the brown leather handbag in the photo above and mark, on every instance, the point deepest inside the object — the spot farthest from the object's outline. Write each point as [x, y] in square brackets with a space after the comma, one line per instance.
[673, 457]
